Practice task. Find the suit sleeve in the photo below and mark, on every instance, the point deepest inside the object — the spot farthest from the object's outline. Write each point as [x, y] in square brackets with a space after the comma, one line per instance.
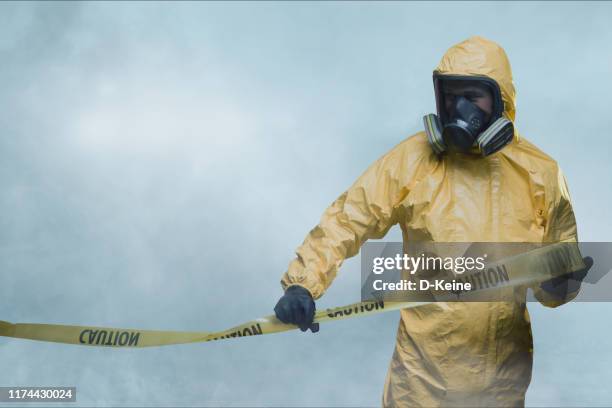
[367, 210]
[560, 227]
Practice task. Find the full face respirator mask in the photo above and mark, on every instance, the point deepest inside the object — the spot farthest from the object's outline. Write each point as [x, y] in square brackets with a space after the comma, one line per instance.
[460, 124]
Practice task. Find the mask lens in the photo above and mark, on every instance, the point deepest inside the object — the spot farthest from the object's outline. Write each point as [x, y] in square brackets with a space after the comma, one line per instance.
[476, 91]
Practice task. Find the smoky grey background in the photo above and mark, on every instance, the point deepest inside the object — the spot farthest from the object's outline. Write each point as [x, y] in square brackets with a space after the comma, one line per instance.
[159, 164]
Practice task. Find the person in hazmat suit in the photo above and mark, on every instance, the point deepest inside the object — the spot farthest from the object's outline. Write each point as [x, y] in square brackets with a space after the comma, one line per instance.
[469, 177]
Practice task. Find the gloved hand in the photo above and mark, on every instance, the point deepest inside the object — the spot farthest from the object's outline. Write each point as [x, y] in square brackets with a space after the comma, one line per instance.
[297, 307]
[561, 285]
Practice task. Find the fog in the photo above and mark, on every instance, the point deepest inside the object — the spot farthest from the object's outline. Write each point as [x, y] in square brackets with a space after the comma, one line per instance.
[159, 164]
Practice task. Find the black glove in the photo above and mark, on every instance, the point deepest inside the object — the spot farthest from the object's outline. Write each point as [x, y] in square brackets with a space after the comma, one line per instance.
[564, 284]
[297, 307]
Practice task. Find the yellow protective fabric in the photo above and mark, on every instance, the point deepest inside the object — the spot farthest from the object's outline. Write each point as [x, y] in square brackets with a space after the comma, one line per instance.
[451, 354]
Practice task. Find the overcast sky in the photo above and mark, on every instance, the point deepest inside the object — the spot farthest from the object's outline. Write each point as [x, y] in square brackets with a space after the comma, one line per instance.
[159, 164]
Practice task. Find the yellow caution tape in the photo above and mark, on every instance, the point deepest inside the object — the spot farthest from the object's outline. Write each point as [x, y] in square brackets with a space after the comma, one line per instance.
[525, 269]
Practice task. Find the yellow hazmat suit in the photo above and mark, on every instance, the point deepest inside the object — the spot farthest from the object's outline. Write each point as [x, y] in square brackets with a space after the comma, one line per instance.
[451, 354]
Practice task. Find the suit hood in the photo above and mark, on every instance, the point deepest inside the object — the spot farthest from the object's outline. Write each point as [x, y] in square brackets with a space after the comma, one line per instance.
[478, 56]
